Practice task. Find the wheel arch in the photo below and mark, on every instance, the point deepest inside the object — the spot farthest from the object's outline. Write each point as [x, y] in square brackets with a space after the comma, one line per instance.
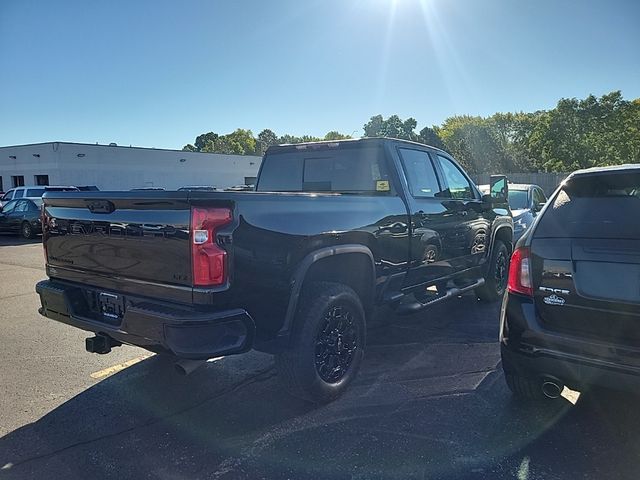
[503, 233]
[350, 264]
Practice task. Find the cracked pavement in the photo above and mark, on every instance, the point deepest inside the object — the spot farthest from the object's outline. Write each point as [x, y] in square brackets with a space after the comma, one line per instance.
[429, 402]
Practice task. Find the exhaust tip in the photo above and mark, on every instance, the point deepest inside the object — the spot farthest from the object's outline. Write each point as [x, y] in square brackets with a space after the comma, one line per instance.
[551, 389]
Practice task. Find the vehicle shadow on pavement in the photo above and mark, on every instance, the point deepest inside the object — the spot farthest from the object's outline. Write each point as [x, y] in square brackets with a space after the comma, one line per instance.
[11, 240]
[430, 403]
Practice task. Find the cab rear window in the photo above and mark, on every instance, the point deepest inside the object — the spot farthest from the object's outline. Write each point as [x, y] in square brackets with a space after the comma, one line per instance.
[357, 170]
[595, 206]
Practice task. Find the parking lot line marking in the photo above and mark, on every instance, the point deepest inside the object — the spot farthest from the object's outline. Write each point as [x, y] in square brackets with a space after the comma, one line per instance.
[116, 368]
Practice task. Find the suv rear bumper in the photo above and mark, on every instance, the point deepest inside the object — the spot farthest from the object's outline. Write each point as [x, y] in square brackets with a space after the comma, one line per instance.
[158, 327]
[528, 349]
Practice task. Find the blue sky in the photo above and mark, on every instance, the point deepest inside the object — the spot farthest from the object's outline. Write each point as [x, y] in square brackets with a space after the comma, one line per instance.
[157, 73]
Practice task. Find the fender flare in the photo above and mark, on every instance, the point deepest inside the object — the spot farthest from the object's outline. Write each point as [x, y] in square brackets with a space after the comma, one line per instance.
[297, 280]
[499, 227]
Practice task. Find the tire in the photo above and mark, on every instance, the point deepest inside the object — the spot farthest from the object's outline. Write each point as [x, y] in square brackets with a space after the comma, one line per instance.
[525, 388]
[325, 352]
[26, 230]
[495, 283]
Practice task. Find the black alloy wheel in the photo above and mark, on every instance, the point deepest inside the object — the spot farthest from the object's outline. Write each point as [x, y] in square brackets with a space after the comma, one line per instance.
[336, 344]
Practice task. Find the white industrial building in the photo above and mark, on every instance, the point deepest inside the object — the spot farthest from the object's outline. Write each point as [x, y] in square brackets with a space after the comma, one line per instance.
[111, 167]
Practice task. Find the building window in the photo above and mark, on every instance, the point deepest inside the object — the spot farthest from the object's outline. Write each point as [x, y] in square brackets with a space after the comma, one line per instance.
[42, 179]
[249, 180]
[17, 181]
[1, 189]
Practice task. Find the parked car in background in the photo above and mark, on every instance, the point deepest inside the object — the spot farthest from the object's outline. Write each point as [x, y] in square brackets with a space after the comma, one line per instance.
[88, 188]
[146, 189]
[33, 192]
[525, 201]
[21, 216]
[198, 188]
[572, 313]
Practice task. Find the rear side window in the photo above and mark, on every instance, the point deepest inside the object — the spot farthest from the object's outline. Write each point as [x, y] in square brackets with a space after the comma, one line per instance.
[595, 206]
[357, 170]
[35, 192]
[421, 177]
[18, 194]
[21, 206]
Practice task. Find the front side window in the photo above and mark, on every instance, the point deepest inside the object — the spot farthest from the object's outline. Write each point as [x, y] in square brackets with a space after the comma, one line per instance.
[18, 194]
[7, 196]
[458, 185]
[21, 206]
[421, 177]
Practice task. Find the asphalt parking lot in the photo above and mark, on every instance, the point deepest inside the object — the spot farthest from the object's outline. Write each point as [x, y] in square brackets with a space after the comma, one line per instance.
[430, 402]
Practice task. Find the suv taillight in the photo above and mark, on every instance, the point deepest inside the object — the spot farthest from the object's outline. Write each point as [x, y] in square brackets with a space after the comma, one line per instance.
[209, 260]
[520, 272]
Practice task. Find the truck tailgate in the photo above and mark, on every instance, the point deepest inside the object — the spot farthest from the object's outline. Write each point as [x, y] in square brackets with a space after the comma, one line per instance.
[117, 236]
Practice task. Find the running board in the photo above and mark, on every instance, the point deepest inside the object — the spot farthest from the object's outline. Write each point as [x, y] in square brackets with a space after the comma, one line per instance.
[415, 306]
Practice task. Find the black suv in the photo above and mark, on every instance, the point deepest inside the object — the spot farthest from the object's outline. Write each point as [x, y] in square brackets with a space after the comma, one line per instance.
[572, 313]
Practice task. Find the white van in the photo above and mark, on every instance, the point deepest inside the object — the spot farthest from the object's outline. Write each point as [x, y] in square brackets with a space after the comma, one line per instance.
[33, 192]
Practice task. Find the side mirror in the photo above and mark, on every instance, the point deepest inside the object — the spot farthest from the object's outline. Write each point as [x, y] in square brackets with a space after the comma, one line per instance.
[499, 189]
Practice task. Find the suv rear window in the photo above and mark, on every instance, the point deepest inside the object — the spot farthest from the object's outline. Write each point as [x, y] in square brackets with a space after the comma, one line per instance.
[325, 169]
[595, 206]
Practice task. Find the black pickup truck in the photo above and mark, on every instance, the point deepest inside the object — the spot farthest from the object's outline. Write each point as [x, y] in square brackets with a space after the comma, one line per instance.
[295, 268]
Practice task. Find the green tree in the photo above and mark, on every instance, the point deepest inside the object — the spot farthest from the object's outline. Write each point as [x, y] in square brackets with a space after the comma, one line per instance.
[201, 140]
[586, 133]
[335, 135]
[429, 136]
[393, 127]
[266, 138]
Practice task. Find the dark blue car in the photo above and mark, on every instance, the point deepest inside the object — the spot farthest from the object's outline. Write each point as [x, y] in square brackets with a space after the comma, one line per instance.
[21, 216]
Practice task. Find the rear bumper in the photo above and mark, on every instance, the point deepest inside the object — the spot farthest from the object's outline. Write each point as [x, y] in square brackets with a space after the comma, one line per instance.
[158, 327]
[577, 373]
[528, 349]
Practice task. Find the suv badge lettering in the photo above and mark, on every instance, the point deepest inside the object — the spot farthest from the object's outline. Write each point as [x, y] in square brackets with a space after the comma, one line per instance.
[553, 300]
[558, 291]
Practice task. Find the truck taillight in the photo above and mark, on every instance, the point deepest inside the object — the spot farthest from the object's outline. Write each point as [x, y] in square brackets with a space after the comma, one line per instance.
[520, 272]
[44, 225]
[209, 260]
